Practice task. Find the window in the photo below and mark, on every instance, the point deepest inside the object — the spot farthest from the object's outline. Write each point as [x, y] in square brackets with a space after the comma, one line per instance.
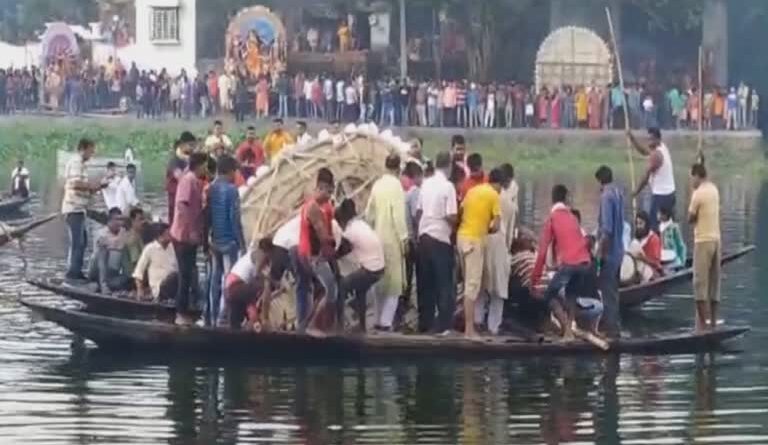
[164, 25]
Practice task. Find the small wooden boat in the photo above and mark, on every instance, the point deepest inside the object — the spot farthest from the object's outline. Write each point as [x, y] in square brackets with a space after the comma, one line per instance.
[10, 205]
[9, 233]
[634, 296]
[104, 304]
[147, 336]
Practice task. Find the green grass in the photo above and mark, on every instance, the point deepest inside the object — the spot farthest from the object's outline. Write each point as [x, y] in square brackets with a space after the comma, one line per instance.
[36, 140]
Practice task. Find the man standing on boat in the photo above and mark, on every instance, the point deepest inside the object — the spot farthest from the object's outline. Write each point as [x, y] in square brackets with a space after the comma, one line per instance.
[78, 192]
[386, 214]
[176, 167]
[438, 210]
[187, 231]
[227, 241]
[610, 247]
[316, 250]
[660, 174]
[480, 215]
[704, 215]
[562, 232]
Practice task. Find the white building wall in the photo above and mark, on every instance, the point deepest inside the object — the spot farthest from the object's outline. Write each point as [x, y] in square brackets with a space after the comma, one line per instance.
[172, 56]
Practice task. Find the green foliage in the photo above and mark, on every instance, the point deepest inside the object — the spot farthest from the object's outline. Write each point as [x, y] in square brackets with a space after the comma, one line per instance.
[21, 20]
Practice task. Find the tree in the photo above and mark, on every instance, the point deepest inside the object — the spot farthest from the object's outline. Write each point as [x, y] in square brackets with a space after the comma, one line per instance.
[22, 19]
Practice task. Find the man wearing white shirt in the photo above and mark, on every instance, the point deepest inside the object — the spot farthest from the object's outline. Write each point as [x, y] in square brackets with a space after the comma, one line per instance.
[20, 180]
[351, 107]
[303, 137]
[438, 215]
[361, 242]
[109, 182]
[218, 139]
[328, 93]
[158, 265]
[311, 111]
[126, 190]
[340, 87]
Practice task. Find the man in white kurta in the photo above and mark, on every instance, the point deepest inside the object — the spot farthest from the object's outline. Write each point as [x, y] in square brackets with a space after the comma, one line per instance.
[386, 214]
[497, 258]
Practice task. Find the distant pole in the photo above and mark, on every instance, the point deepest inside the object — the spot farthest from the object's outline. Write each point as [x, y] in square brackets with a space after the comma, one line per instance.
[701, 102]
[403, 43]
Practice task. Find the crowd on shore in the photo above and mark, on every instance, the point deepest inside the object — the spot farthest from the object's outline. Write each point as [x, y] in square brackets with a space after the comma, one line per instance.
[386, 101]
[426, 227]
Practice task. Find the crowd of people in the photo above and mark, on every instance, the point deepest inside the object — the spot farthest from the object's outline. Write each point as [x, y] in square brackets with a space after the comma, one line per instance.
[386, 101]
[426, 227]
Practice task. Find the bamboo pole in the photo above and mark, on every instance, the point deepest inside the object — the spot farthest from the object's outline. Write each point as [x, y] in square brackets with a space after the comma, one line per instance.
[617, 54]
[701, 106]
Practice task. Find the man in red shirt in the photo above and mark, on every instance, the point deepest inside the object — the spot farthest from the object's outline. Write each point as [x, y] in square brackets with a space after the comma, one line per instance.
[187, 230]
[563, 233]
[476, 174]
[251, 145]
[316, 252]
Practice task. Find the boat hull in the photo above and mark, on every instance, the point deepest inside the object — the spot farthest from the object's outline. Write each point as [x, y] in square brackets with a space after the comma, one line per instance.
[144, 336]
[634, 296]
[108, 305]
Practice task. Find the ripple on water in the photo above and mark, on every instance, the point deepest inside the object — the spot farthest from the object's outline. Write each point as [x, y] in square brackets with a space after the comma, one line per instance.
[52, 394]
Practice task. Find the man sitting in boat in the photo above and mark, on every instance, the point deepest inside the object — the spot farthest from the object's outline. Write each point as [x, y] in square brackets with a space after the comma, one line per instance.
[673, 250]
[156, 273]
[642, 263]
[20, 180]
[109, 266]
[134, 243]
[365, 246]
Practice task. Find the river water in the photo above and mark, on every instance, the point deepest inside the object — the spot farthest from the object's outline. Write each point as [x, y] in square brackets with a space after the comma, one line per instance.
[54, 391]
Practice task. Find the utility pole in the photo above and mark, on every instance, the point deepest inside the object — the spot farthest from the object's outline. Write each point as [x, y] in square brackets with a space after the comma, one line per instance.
[403, 43]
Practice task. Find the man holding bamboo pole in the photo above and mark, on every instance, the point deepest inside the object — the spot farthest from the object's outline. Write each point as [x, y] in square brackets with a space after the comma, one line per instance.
[659, 175]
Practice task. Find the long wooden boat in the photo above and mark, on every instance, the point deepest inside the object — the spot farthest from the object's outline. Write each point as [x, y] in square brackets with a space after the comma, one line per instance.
[9, 233]
[147, 336]
[103, 304]
[107, 304]
[10, 205]
[634, 296]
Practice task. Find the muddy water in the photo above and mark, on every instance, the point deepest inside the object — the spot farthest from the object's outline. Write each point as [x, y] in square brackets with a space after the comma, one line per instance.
[54, 391]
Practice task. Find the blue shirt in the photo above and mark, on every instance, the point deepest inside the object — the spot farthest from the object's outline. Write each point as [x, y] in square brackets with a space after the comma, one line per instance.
[224, 214]
[617, 97]
[611, 224]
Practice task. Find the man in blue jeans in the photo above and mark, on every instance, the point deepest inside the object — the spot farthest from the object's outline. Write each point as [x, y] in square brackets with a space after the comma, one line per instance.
[227, 241]
[562, 232]
[78, 191]
[610, 248]
[659, 175]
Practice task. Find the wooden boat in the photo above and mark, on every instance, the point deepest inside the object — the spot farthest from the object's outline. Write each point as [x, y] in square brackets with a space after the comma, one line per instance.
[10, 205]
[630, 297]
[9, 233]
[147, 336]
[634, 296]
[107, 304]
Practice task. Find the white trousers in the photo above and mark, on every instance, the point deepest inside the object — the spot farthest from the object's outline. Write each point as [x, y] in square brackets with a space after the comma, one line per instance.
[491, 306]
[385, 309]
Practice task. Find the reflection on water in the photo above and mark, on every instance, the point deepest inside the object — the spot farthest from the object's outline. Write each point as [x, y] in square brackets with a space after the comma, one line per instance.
[54, 391]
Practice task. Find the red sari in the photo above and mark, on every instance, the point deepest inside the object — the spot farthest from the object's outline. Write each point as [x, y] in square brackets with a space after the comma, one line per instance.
[554, 115]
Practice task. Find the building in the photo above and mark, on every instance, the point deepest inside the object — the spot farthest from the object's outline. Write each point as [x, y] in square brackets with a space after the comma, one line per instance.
[164, 36]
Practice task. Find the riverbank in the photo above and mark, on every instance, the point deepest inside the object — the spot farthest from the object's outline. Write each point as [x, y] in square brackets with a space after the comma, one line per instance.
[37, 138]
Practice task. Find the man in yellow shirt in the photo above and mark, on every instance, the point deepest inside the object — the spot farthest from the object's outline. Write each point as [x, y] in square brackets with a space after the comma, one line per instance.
[704, 215]
[277, 139]
[480, 212]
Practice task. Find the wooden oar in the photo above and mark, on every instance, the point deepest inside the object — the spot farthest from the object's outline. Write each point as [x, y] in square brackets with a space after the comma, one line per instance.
[617, 54]
[8, 233]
